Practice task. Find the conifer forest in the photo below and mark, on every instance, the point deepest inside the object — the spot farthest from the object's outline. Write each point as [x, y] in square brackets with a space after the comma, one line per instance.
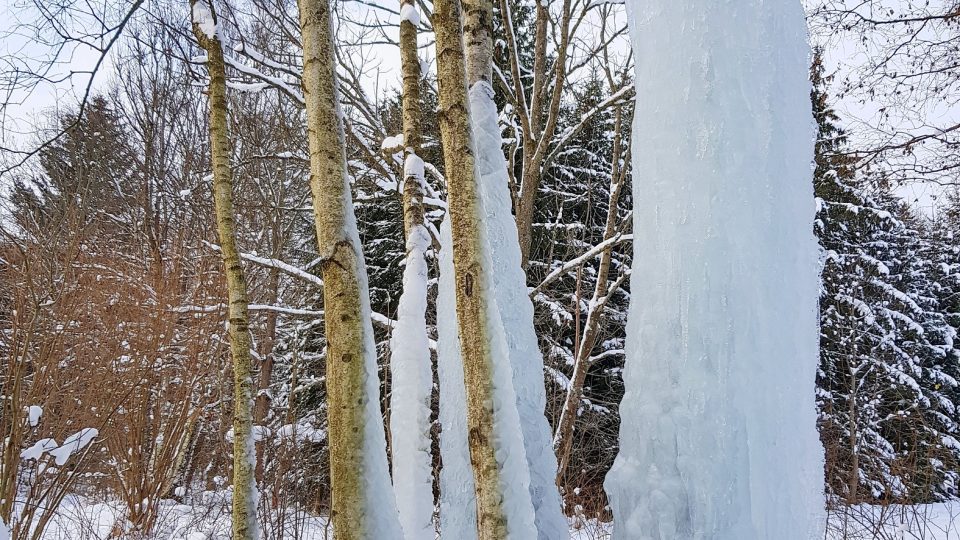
[479, 269]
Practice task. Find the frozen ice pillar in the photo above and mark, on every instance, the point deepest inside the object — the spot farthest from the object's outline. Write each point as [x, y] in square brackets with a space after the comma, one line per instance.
[718, 436]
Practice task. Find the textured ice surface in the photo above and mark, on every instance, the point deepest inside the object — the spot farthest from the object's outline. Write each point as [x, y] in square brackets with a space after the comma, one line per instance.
[718, 435]
[458, 513]
[411, 386]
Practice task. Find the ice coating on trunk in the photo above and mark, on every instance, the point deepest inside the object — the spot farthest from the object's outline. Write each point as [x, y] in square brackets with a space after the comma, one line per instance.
[381, 520]
[458, 513]
[457, 499]
[412, 382]
[718, 425]
[509, 286]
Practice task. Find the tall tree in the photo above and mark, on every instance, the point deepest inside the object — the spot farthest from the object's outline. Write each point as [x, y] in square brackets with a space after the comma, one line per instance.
[363, 506]
[496, 448]
[244, 516]
[411, 373]
[508, 283]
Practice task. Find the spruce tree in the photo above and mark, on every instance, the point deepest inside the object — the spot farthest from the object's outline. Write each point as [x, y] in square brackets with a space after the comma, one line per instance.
[888, 373]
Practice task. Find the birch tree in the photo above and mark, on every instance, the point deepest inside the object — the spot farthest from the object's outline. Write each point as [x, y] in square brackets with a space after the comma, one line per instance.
[412, 377]
[244, 489]
[495, 442]
[362, 506]
[508, 280]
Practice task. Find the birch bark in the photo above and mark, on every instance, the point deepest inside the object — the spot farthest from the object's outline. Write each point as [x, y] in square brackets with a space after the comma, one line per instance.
[362, 507]
[244, 513]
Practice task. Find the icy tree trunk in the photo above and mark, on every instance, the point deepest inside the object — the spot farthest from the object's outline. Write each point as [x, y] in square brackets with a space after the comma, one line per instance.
[363, 507]
[501, 477]
[458, 516]
[244, 517]
[508, 280]
[412, 378]
[718, 437]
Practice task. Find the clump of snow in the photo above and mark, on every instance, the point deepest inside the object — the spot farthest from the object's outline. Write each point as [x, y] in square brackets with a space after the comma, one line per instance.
[34, 412]
[718, 436]
[302, 431]
[409, 12]
[36, 451]
[73, 444]
[203, 18]
[413, 168]
[392, 144]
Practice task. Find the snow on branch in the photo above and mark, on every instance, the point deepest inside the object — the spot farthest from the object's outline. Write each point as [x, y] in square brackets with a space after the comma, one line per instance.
[276, 82]
[589, 254]
[278, 264]
[624, 94]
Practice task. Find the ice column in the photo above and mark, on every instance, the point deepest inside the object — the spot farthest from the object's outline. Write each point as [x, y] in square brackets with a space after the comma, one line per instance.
[718, 433]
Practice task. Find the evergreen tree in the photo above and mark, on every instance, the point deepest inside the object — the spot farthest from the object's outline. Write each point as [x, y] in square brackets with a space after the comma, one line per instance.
[887, 383]
[87, 179]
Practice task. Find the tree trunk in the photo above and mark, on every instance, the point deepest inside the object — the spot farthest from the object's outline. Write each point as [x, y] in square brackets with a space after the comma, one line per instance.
[410, 66]
[544, 116]
[478, 40]
[508, 281]
[244, 491]
[411, 373]
[471, 277]
[264, 400]
[362, 507]
[853, 485]
[563, 439]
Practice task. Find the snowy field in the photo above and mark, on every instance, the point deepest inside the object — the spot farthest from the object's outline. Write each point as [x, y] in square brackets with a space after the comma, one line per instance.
[209, 519]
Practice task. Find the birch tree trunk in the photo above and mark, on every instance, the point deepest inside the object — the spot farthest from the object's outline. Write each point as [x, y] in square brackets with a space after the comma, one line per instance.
[362, 507]
[411, 373]
[508, 280]
[490, 407]
[244, 489]
[410, 67]
[463, 202]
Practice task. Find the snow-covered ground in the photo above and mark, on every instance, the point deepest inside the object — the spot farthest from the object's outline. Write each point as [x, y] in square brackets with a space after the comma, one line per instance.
[919, 522]
[209, 519]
